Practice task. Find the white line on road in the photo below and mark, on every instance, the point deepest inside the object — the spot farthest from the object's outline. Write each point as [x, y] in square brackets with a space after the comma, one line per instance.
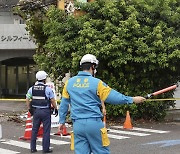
[144, 130]
[53, 141]
[109, 135]
[5, 151]
[127, 132]
[21, 144]
[117, 137]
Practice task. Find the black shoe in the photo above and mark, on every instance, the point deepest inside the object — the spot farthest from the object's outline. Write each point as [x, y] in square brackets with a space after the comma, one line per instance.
[33, 151]
[49, 151]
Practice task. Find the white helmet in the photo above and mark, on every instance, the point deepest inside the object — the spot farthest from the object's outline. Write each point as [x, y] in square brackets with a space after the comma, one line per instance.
[89, 58]
[41, 75]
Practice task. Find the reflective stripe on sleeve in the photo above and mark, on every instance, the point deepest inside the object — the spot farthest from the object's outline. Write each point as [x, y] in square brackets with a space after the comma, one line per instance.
[28, 96]
[65, 93]
[103, 91]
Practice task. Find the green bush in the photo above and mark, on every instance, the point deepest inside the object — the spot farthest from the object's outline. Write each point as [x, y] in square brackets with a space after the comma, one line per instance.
[137, 43]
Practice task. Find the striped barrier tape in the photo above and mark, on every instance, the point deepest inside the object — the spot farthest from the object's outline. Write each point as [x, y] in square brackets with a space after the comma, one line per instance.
[7, 99]
[13, 99]
[163, 99]
[147, 100]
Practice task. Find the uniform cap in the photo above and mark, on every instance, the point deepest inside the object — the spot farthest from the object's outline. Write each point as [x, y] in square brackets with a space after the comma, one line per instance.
[41, 75]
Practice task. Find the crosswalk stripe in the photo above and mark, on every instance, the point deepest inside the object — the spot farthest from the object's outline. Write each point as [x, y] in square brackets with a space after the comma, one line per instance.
[57, 142]
[144, 130]
[127, 132]
[8, 151]
[112, 133]
[117, 137]
[21, 144]
[109, 135]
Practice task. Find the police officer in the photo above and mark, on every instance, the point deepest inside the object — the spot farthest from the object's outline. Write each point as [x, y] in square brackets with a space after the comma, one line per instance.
[39, 99]
[84, 93]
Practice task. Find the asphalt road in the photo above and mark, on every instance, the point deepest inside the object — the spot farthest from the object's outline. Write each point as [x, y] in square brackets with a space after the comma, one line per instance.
[144, 138]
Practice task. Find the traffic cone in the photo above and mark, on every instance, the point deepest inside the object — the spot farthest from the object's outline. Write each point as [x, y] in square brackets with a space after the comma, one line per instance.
[59, 133]
[28, 129]
[127, 123]
[64, 131]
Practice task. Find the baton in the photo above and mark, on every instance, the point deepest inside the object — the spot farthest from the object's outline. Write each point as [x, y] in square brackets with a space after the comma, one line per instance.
[161, 91]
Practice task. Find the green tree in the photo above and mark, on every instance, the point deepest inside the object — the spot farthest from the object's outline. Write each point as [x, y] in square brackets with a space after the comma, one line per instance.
[137, 43]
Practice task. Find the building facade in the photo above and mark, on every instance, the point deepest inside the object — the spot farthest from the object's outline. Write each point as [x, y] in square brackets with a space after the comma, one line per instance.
[17, 67]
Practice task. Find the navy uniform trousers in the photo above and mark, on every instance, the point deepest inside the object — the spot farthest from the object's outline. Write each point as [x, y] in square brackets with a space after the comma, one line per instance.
[41, 115]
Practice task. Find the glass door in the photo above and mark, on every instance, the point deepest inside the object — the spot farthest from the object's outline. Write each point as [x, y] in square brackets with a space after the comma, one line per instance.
[11, 80]
[22, 80]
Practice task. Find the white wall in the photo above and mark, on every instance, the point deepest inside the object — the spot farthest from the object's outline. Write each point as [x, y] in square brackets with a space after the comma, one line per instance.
[177, 95]
[14, 36]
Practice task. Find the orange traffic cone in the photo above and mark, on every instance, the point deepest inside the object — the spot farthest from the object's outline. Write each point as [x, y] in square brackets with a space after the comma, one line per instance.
[58, 133]
[64, 131]
[28, 129]
[127, 123]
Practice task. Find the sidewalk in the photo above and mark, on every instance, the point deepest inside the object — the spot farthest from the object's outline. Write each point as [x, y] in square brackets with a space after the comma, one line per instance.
[13, 106]
[174, 114]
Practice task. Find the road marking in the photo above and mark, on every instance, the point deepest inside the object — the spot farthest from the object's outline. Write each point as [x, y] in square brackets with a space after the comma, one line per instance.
[117, 137]
[7, 151]
[165, 143]
[109, 135]
[127, 132]
[53, 141]
[144, 130]
[21, 144]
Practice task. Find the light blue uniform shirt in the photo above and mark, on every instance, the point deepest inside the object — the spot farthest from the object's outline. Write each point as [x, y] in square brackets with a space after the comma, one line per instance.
[84, 93]
[48, 91]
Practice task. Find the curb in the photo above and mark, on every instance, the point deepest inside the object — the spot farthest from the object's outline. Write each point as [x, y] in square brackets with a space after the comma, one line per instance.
[173, 115]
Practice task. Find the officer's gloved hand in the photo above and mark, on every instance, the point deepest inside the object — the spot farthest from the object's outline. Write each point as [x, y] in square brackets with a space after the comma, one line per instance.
[52, 110]
[56, 112]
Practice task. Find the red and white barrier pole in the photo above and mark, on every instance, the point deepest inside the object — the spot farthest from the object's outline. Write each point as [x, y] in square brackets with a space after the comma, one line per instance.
[161, 91]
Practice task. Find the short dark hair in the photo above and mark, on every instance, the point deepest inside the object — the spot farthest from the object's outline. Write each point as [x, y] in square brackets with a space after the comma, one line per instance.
[86, 66]
[42, 80]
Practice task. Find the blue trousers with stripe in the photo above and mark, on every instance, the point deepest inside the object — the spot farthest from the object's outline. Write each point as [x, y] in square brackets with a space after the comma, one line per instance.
[87, 136]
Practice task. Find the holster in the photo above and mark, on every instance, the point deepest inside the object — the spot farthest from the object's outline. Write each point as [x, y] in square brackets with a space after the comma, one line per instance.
[31, 110]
